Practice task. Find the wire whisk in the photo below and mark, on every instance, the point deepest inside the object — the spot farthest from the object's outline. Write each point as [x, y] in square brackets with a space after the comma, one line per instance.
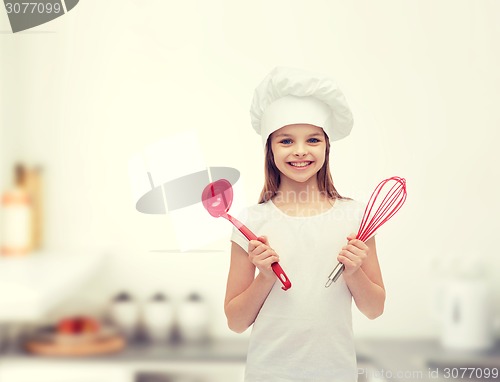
[376, 214]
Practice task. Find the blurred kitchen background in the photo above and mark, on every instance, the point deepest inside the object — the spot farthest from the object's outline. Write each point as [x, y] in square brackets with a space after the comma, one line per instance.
[83, 94]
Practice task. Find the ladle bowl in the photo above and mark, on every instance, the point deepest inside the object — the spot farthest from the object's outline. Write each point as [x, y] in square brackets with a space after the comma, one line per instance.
[217, 198]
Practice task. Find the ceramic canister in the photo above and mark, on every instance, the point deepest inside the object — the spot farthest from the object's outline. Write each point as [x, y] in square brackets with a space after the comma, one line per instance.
[193, 319]
[158, 318]
[125, 314]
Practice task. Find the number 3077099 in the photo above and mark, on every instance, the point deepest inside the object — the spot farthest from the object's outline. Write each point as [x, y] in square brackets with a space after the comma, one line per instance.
[470, 372]
[34, 8]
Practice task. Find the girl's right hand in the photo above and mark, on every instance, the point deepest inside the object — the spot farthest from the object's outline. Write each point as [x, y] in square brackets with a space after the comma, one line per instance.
[262, 256]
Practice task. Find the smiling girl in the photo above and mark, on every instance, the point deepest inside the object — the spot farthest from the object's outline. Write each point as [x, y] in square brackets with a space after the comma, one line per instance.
[305, 333]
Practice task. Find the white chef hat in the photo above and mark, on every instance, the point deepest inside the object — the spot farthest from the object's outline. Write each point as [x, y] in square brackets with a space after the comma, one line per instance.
[288, 96]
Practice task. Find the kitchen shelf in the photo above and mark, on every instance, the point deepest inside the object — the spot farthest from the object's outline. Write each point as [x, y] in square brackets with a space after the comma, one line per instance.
[32, 285]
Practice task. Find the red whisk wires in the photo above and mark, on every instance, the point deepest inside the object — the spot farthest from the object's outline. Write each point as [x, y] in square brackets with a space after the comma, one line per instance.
[390, 204]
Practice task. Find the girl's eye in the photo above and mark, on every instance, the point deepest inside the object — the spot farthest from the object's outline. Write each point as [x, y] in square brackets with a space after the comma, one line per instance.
[286, 141]
[313, 140]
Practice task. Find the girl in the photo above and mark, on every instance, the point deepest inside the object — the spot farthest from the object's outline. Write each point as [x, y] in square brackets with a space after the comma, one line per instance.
[305, 333]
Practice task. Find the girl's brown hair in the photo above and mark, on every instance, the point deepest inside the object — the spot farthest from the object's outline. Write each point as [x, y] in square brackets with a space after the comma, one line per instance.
[273, 175]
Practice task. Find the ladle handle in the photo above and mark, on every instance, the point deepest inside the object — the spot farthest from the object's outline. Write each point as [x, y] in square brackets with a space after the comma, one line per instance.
[278, 271]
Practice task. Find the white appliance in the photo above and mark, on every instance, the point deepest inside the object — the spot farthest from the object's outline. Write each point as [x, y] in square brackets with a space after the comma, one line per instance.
[465, 313]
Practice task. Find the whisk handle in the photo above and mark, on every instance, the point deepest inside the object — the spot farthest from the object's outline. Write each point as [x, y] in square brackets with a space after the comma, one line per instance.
[335, 274]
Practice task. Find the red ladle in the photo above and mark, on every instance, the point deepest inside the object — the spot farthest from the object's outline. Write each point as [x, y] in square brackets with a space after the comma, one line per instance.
[217, 198]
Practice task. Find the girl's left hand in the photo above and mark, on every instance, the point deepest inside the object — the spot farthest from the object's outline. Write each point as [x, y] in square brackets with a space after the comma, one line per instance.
[353, 254]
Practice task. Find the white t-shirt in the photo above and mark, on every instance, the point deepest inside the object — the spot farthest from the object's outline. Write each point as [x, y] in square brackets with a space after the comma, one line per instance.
[304, 333]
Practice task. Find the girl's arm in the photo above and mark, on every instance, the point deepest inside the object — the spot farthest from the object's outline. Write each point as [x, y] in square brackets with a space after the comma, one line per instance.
[246, 293]
[363, 276]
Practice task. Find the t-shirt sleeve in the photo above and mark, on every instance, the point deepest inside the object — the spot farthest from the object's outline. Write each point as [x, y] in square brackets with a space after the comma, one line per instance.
[238, 238]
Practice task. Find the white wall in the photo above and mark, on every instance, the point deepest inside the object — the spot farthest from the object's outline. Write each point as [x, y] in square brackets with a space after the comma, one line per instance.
[88, 90]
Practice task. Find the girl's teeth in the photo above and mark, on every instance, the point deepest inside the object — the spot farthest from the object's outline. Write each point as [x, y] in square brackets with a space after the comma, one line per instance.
[301, 164]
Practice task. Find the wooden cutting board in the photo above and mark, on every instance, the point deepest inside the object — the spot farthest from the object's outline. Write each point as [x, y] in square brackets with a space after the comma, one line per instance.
[103, 345]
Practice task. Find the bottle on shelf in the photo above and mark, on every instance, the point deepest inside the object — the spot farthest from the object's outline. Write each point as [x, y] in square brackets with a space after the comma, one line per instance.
[17, 215]
[34, 189]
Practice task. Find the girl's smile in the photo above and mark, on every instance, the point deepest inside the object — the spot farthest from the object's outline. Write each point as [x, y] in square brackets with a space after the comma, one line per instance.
[300, 165]
[299, 151]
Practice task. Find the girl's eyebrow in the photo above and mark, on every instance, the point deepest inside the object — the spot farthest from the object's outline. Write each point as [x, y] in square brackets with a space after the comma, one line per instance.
[290, 135]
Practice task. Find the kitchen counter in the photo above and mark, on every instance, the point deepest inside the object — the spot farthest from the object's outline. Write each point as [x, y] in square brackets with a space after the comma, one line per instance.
[378, 360]
[222, 350]
[423, 360]
[214, 361]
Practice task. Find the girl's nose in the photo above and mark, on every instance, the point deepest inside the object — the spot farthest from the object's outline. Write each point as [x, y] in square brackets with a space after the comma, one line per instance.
[300, 151]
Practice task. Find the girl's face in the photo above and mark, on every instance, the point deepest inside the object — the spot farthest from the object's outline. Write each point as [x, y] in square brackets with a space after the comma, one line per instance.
[299, 151]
